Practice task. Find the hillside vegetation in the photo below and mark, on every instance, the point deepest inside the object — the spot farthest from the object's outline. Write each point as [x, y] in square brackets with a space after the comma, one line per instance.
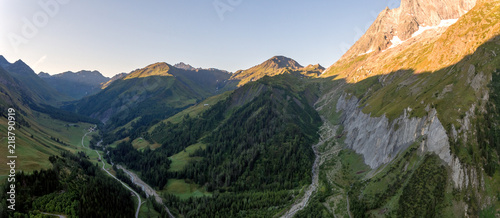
[149, 95]
[257, 142]
[72, 187]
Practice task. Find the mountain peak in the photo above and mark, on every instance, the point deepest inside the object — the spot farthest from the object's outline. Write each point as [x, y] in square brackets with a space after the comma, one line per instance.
[394, 26]
[19, 67]
[278, 62]
[274, 66]
[156, 69]
[431, 12]
[184, 66]
[314, 67]
[44, 75]
[90, 73]
[3, 61]
[20, 62]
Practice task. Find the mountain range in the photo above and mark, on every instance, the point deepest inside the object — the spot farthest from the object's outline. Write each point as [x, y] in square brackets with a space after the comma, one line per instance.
[405, 124]
[76, 85]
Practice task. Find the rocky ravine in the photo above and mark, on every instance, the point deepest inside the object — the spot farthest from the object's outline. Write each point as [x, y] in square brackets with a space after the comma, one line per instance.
[145, 187]
[327, 132]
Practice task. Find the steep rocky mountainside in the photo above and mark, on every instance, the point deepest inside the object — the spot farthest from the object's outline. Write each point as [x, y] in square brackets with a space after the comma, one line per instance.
[395, 25]
[414, 89]
[442, 54]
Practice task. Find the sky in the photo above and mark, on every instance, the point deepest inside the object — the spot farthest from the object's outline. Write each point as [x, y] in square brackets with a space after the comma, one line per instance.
[115, 36]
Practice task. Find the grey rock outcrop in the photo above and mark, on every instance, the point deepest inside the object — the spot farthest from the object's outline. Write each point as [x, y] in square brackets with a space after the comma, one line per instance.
[379, 140]
[464, 176]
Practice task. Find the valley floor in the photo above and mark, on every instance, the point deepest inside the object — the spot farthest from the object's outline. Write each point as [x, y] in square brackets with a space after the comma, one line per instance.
[326, 135]
[135, 179]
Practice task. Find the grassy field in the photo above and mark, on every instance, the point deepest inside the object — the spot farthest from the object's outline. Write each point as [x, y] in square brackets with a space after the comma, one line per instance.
[355, 162]
[70, 133]
[184, 189]
[147, 210]
[141, 144]
[34, 145]
[182, 158]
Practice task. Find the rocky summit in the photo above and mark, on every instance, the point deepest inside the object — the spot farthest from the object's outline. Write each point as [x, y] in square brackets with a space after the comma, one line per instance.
[395, 25]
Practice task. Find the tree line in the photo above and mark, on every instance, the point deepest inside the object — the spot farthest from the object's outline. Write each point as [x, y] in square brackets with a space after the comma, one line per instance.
[73, 186]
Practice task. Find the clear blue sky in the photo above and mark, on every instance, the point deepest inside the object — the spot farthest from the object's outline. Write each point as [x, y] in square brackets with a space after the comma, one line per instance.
[119, 36]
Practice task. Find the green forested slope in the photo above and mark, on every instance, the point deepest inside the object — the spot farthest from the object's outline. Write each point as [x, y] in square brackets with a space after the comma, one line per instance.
[148, 95]
[73, 186]
[258, 140]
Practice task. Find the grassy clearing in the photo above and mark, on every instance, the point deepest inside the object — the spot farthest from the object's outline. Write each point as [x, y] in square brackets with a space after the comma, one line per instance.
[354, 162]
[181, 159]
[185, 189]
[147, 210]
[114, 144]
[346, 168]
[141, 144]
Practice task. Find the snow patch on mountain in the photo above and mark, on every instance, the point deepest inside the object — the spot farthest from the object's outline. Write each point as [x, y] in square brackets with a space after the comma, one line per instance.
[443, 23]
[396, 41]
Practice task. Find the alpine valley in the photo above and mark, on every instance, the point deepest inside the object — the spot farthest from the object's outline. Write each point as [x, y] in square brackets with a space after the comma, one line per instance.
[405, 124]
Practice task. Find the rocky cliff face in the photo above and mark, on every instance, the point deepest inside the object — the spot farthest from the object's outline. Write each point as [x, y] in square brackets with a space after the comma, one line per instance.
[395, 25]
[380, 141]
[427, 92]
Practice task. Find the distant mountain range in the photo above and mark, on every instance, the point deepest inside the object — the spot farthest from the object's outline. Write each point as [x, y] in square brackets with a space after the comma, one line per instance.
[405, 124]
[160, 90]
[76, 85]
[37, 89]
[155, 91]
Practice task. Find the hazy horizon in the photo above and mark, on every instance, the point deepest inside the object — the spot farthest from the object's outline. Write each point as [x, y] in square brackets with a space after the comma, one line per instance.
[114, 37]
